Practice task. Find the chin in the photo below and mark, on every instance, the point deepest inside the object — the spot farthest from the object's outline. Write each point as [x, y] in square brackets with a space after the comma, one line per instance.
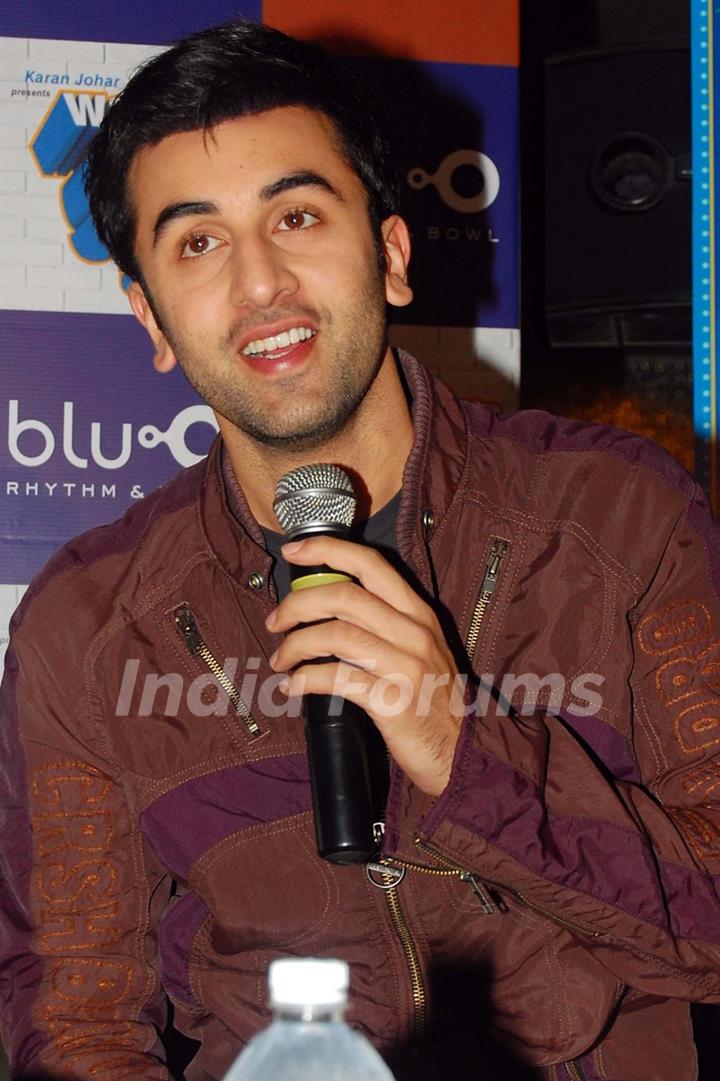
[307, 433]
[297, 441]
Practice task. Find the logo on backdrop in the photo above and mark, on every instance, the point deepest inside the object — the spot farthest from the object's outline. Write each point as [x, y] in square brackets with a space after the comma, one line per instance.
[442, 180]
[60, 147]
[485, 187]
[85, 432]
[456, 131]
[33, 443]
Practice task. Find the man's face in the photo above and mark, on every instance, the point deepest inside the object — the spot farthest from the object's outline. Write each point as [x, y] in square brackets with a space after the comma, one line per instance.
[257, 254]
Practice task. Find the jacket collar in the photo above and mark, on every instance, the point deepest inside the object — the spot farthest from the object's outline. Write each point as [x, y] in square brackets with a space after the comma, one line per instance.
[432, 480]
[433, 473]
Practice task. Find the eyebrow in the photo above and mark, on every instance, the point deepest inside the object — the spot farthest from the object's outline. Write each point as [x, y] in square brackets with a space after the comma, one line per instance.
[180, 210]
[304, 178]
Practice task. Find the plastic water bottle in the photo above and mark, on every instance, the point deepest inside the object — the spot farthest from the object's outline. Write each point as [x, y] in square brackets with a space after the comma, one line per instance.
[308, 1039]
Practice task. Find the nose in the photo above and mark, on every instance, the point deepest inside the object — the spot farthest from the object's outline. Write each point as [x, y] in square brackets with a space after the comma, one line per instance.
[260, 274]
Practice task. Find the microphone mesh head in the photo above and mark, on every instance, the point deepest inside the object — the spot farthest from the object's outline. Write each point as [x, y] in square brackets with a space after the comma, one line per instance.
[313, 498]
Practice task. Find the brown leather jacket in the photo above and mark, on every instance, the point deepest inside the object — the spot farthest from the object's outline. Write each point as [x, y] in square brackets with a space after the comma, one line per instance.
[557, 907]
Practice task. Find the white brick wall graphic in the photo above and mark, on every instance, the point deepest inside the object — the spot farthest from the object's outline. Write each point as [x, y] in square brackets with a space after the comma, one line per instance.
[39, 270]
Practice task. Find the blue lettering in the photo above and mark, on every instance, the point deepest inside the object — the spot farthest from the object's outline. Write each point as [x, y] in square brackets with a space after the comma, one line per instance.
[106, 81]
[54, 78]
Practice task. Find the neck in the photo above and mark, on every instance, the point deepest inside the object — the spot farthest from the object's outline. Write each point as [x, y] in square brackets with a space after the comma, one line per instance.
[372, 447]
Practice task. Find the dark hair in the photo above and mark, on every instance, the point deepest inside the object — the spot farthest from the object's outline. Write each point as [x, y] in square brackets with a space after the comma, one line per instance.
[238, 69]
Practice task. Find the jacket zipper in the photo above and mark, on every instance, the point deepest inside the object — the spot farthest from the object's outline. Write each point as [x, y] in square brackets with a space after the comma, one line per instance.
[187, 625]
[390, 882]
[589, 932]
[449, 870]
[498, 551]
[573, 1068]
[417, 984]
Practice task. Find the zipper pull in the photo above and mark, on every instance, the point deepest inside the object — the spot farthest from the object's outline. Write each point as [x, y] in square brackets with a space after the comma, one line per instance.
[486, 902]
[384, 875]
[187, 626]
[492, 568]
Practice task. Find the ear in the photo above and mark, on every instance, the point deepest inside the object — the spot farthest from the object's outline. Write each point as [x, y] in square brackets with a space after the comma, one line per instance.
[396, 241]
[164, 359]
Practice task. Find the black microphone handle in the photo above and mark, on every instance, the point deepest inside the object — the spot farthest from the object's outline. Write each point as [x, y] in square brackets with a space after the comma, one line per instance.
[340, 779]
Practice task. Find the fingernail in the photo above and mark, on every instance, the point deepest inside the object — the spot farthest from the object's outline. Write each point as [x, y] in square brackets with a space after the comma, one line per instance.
[271, 619]
[273, 658]
[291, 547]
[284, 684]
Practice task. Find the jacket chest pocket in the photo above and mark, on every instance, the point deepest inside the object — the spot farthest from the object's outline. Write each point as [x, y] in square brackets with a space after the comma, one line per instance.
[217, 679]
[497, 558]
[266, 885]
[174, 701]
[542, 622]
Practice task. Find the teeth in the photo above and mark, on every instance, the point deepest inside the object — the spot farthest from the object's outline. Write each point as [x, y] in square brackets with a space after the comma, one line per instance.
[278, 341]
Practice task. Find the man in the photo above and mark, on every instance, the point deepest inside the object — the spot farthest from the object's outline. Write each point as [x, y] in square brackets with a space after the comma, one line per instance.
[544, 904]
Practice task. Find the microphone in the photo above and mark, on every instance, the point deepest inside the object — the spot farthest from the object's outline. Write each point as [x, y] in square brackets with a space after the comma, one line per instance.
[310, 501]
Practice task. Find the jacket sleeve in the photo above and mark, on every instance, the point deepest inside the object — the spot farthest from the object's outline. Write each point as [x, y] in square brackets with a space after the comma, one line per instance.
[80, 994]
[627, 859]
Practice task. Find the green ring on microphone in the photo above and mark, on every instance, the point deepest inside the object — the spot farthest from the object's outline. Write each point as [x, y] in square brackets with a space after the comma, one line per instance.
[327, 578]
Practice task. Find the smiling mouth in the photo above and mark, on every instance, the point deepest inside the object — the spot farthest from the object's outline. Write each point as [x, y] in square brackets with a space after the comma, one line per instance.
[265, 346]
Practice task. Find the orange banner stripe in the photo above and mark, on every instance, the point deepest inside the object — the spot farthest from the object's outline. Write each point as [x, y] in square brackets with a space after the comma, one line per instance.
[459, 31]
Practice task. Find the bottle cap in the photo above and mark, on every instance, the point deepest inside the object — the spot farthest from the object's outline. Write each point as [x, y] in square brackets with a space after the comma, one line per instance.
[300, 981]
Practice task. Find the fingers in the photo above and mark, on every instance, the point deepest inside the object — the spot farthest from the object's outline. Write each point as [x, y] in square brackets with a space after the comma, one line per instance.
[386, 699]
[351, 621]
[420, 735]
[355, 645]
[366, 565]
[333, 678]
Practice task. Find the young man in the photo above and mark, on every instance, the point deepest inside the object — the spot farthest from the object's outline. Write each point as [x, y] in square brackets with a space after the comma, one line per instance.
[546, 906]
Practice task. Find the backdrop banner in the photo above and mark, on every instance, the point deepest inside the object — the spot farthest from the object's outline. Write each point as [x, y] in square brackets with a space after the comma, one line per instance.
[86, 423]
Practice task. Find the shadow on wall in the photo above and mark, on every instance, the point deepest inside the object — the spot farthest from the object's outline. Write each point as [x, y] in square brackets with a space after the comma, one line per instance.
[439, 129]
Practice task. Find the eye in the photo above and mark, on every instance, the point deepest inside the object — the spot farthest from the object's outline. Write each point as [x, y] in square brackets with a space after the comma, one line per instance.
[297, 219]
[200, 244]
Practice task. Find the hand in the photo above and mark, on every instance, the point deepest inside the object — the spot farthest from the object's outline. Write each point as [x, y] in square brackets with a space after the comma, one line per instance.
[389, 654]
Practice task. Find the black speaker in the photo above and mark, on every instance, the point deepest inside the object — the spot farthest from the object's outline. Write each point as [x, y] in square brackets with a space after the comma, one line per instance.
[618, 197]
